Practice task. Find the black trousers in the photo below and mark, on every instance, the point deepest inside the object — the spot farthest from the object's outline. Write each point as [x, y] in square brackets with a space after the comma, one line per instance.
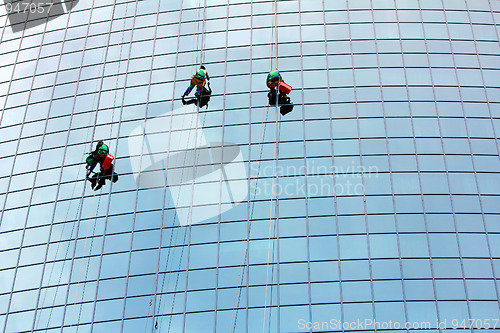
[282, 97]
[103, 175]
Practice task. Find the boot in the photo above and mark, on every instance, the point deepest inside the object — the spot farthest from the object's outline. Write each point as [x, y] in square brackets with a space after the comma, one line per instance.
[92, 181]
[100, 184]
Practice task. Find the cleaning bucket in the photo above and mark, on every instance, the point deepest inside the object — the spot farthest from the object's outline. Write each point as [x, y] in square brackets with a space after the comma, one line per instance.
[107, 161]
[286, 88]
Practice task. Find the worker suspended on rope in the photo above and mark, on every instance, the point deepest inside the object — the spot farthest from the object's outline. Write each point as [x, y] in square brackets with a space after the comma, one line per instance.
[202, 99]
[278, 91]
[199, 80]
[102, 156]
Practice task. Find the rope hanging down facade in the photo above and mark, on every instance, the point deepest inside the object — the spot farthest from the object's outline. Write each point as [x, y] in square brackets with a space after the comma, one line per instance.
[110, 122]
[272, 226]
[199, 40]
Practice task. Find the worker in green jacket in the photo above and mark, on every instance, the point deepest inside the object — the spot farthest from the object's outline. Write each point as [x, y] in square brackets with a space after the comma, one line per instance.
[276, 95]
[95, 157]
[273, 79]
[199, 80]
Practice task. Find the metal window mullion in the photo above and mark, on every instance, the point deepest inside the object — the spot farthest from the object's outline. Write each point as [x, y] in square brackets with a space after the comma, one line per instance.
[275, 236]
[193, 182]
[342, 303]
[473, 163]
[224, 93]
[89, 256]
[190, 214]
[398, 240]
[22, 123]
[246, 264]
[14, 64]
[82, 198]
[493, 22]
[464, 280]
[365, 210]
[275, 247]
[335, 203]
[390, 172]
[249, 169]
[252, 182]
[251, 57]
[308, 240]
[189, 228]
[247, 240]
[217, 260]
[98, 278]
[58, 188]
[118, 130]
[60, 177]
[188, 233]
[12, 171]
[163, 217]
[487, 99]
[3, 27]
[66, 145]
[360, 159]
[426, 223]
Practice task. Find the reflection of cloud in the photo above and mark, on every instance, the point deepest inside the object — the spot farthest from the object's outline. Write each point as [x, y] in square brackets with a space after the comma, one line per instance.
[35, 12]
[197, 172]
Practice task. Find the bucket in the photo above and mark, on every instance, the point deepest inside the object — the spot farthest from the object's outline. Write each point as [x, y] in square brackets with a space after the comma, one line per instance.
[107, 161]
[286, 88]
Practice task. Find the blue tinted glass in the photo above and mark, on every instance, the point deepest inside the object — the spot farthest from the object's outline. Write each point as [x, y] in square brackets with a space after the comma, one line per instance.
[386, 169]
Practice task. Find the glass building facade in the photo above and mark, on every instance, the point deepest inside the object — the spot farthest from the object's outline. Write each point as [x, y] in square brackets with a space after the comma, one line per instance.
[373, 206]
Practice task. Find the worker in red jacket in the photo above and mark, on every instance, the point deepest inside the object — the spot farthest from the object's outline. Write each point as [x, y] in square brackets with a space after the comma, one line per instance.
[278, 91]
[100, 155]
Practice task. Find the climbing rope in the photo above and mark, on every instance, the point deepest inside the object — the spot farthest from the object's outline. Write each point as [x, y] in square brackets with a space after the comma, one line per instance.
[165, 214]
[274, 234]
[109, 121]
[164, 218]
[203, 32]
[194, 54]
[274, 169]
[83, 257]
[276, 33]
[275, 148]
[88, 263]
[176, 229]
[78, 212]
[196, 155]
[250, 206]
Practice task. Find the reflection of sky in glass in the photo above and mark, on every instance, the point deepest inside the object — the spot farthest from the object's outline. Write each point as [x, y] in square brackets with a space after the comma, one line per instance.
[182, 157]
[420, 108]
